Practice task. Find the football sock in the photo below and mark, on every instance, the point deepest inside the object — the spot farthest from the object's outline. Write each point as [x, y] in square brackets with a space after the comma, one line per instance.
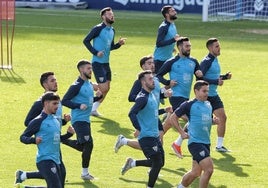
[124, 141]
[133, 163]
[23, 176]
[95, 106]
[85, 171]
[180, 186]
[219, 142]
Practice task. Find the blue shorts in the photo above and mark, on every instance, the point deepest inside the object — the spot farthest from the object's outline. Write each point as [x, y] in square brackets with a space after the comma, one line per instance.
[102, 72]
[199, 151]
[215, 102]
[51, 172]
[176, 102]
[83, 131]
[151, 146]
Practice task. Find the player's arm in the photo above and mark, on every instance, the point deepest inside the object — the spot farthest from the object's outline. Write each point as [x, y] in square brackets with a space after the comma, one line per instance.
[179, 112]
[139, 105]
[204, 66]
[136, 88]
[33, 127]
[163, 71]
[160, 41]
[90, 36]
[70, 94]
[35, 110]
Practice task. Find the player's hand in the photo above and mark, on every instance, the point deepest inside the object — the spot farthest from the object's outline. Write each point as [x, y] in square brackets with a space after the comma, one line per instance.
[177, 37]
[98, 93]
[168, 93]
[172, 83]
[67, 117]
[38, 140]
[83, 107]
[122, 41]
[100, 53]
[229, 75]
[136, 133]
[169, 109]
[184, 135]
[220, 82]
[71, 130]
[199, 73]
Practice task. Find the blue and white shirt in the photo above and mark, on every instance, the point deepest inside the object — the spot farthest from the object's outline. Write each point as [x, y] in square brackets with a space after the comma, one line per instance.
[80, 92]
[199, 114]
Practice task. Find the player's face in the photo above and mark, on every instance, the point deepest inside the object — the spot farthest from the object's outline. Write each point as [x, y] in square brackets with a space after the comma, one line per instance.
[51, 84]
[87, 71]
[108, 17]
[52, 106]
[149, 65]
[186, 48]
[149, 81]
[172, 14]
[202, 93]
[215, 49]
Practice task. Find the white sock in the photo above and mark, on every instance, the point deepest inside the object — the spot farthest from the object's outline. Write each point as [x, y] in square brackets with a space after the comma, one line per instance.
[95, 106]
[23, 176]
[180, 186]
[219, 142]
[179, 141]
[133, 164]
[85, 171]
[124, 141]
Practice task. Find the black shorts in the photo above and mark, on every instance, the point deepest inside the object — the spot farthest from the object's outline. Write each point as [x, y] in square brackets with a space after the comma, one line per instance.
[215, 102]
[199, 151]
[83, 131]
[176, 102]
[151, 146]
[102, 72]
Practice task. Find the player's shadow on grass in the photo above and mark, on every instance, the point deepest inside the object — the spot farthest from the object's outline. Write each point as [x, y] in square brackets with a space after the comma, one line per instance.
[160, 182]
[227, 163]
[85, 184]
[9, 75]
[111, 127]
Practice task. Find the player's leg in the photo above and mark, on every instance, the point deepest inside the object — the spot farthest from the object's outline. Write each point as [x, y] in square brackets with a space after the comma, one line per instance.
[103, 77]
[50, 171]
[207, 168]
[191, 175]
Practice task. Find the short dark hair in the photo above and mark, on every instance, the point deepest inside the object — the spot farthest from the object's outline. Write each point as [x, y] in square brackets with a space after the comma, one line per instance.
[144, 59]
[44, 77]
[181, 40]
[102, 12]
[165, 10]
[50, 96]
[210, 41]
[199, 84]
[143, 73]
[82, 63]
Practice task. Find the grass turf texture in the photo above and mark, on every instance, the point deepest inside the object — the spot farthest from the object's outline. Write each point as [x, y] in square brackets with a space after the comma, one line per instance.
[51, 40]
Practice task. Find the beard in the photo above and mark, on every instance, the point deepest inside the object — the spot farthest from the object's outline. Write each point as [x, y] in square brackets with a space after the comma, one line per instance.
[174, 17]
[87, 76]
[186, 53]
[109, 21]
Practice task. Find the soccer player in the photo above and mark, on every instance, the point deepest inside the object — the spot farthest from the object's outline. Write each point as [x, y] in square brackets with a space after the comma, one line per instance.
[199, 113]
[166, 37]
[181, 69]
[49, 82]
[46, 130]
[79, 98]
[144, 117]
[146, 63]
[103, 42]
[211, 69]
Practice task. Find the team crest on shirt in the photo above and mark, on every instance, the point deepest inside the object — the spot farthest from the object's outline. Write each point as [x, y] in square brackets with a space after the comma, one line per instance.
[54, 170]
[202, 153]
[155, 148]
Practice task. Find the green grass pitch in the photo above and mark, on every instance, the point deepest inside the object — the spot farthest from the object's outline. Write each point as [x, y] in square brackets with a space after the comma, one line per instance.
[51, 40]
